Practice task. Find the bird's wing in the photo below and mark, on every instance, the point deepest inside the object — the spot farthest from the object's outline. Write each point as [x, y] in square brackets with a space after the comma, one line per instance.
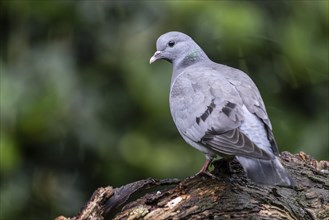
[253, 101]
[207, 110]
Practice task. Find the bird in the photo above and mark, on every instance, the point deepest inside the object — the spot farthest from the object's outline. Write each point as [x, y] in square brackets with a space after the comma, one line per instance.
[218, 110]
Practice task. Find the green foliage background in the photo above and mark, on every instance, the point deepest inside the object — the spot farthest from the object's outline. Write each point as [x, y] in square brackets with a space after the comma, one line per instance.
[82, 108]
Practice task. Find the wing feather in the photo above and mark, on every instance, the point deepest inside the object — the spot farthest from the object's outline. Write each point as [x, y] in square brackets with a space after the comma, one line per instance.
[253, 101]
[234, 142]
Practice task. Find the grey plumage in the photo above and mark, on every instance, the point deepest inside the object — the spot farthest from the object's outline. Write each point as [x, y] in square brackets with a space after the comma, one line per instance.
[218, 110]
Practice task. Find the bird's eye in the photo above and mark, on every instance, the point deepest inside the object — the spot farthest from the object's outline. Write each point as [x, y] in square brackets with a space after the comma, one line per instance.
[171, 43]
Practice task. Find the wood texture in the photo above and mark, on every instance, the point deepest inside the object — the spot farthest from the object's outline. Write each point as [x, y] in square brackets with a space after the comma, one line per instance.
[226, 195]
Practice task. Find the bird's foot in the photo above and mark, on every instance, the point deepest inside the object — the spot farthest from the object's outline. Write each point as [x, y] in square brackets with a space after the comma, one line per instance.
[204, 170]
[206, 173]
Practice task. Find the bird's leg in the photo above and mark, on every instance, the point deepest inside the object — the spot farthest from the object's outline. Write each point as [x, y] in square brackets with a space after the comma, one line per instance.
[204, 169]
[205, 166]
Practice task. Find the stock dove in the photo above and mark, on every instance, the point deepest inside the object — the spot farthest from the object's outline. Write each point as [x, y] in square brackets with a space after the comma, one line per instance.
[219, 111]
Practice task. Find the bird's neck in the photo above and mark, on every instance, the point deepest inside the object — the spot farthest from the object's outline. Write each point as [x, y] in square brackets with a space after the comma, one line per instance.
[194, 56]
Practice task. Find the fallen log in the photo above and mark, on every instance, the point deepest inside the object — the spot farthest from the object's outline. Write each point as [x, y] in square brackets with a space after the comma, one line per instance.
[226, 195]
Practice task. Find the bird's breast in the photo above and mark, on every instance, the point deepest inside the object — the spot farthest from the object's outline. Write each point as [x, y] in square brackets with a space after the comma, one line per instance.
[188, 100]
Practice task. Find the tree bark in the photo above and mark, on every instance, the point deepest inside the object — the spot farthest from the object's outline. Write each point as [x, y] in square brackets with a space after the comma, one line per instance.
[226, 195]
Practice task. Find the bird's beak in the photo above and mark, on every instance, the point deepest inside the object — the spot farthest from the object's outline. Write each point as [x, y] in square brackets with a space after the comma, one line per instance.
[155, 57]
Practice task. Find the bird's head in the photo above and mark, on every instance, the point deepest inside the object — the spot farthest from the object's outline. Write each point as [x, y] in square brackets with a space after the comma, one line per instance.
[177, 48]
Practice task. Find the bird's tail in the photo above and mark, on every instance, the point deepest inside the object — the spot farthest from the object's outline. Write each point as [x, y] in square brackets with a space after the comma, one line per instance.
[269, 172]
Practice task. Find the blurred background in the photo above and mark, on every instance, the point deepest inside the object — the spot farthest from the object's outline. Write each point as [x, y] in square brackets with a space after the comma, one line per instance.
[82, 108]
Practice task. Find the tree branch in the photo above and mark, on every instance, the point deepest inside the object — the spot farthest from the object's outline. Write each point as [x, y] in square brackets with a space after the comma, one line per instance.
[228, 196]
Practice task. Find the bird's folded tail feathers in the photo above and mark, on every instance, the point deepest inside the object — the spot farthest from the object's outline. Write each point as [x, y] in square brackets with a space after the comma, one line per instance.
[269, 172]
